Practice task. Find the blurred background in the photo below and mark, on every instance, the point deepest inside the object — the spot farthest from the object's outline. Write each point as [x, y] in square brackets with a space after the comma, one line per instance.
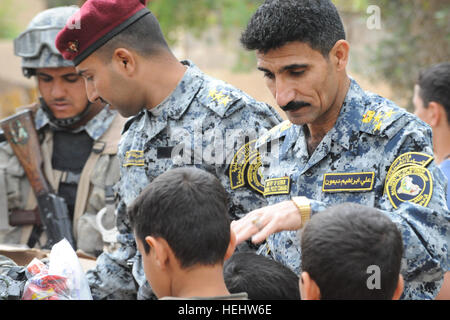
[391, 41]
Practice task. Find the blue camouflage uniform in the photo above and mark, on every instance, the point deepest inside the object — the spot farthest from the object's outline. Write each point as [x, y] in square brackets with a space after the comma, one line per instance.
[378, 155]
[204, 123]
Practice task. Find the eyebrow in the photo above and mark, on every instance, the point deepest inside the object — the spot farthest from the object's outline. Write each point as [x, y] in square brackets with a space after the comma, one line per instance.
[287, 68]
[64, 75]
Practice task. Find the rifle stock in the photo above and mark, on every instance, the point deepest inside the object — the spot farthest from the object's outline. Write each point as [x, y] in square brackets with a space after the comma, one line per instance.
[21, 134]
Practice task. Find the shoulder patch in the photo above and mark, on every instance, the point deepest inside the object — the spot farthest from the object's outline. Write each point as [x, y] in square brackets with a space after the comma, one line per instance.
[409, 159]
[413, 184]
[409, 180]
[244, 168]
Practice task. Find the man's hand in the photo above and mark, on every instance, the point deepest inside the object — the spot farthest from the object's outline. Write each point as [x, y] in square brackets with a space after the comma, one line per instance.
[261, 223]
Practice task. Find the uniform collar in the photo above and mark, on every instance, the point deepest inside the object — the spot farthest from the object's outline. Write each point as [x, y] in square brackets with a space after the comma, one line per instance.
[176, 104]
[348, 125]
[95, 127]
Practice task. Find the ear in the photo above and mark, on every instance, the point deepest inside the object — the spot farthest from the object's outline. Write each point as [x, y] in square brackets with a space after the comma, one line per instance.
[159, 248]
[231, 244]
[399, 290]
[124, 61]
[310, 290]
[339, 54]
[436, 110]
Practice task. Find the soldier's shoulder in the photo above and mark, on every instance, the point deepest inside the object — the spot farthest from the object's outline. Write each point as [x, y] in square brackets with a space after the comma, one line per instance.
[384, 118]
[225, 99]
[275, 133]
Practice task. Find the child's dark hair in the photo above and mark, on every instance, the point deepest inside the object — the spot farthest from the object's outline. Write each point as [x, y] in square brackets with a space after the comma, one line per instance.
[260, 277]
[339, 245]
[188, 208]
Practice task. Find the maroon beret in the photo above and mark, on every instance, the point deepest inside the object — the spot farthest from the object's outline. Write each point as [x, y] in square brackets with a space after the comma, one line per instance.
[94, 24]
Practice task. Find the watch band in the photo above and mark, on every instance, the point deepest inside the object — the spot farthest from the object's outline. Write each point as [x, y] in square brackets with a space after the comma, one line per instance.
[304, 207]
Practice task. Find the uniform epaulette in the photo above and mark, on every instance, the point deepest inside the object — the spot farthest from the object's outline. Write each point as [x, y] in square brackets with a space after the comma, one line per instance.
[380, 116]
[274, 133]
[220, 97]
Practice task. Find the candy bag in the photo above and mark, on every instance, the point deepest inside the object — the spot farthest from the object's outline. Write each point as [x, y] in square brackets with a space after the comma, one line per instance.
[62, 279]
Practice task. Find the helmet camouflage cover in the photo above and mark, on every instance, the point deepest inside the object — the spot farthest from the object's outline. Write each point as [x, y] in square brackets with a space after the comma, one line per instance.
[36, 45]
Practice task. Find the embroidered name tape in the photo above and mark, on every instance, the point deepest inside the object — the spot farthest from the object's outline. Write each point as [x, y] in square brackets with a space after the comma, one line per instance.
[244, 169]
[277, 186]
[413, 184]
[134, 158]
[344, 182]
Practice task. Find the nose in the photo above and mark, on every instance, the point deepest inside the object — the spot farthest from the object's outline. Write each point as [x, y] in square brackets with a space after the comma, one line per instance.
[58, 91]
[91, 92]
[283, 93]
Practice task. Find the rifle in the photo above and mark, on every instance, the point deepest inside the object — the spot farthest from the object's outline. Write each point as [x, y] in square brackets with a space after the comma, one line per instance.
[20, 132]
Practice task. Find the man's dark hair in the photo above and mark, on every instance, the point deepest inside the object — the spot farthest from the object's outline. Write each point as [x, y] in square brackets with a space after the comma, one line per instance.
[260, 277]
[143, 36]
[278, 22]
[339, 245]
[188, 208]
[434, 84]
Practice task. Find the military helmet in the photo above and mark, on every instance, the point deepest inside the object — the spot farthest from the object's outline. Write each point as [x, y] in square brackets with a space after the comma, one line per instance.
[36, 45]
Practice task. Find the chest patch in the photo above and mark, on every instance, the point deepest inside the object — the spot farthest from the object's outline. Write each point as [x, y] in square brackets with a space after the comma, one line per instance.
[277, 186]
[345, 182]
[134, 158]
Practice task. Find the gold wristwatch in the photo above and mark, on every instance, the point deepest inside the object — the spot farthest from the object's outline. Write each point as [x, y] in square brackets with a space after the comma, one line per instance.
[304, 207]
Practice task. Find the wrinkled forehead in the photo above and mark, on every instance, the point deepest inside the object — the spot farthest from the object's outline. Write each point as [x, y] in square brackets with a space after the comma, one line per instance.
[292, 53]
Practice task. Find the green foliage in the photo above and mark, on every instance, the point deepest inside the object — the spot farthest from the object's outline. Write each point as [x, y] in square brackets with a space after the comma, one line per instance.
[8, 26]
[197, 16]
[59, 3]
[416, 34]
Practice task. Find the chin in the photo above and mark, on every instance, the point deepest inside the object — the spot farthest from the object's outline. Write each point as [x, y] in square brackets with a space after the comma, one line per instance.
[297, 120]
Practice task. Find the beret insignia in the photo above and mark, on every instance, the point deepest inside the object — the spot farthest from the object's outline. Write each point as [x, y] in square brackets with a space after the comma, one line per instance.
[72, 46]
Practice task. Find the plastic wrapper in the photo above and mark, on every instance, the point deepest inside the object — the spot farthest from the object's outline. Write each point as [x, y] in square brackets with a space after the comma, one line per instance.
[62, 279]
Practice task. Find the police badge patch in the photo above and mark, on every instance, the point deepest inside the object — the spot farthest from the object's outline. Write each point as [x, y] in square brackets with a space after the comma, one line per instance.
[413, 184]
[244, 169]
[409, 159]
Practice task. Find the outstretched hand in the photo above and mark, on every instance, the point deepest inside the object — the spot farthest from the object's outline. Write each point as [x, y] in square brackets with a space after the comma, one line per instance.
[260, 223]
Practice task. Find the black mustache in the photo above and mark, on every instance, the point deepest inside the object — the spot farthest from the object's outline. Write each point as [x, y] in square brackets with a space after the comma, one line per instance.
[295, 105]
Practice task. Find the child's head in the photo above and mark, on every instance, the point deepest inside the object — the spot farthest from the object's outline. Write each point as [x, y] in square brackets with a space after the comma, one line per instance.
[181, 221]
[260, 277]
[351, 251]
